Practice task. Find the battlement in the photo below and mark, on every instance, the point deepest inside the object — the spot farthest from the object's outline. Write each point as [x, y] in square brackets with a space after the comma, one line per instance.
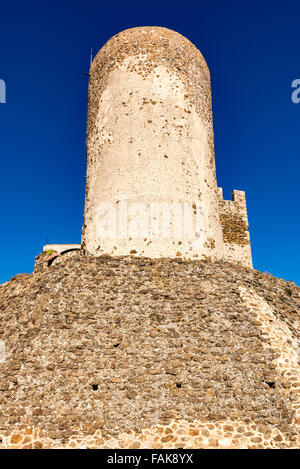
[234, 222]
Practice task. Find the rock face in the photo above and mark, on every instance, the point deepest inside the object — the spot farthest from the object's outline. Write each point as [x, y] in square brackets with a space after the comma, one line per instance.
[151, 183]
[134, 352]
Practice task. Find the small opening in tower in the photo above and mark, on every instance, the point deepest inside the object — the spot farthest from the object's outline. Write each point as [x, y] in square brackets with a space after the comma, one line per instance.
[271, 384]
[178, 385]
[116, 345]
[95, 387]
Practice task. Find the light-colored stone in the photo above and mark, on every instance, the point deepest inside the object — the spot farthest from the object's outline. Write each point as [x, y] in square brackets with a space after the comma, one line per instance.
[150, 143]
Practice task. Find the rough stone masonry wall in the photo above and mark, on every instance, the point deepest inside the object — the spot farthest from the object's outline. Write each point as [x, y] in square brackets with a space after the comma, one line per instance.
[234, 222]
[133, 352]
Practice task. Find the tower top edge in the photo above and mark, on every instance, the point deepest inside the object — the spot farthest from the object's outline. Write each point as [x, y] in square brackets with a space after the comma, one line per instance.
[146, 39]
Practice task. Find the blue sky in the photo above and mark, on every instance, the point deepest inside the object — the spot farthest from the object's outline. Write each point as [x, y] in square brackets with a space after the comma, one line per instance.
[252, 49]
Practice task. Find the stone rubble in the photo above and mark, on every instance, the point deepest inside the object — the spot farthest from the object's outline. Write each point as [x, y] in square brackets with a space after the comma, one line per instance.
[130, 352]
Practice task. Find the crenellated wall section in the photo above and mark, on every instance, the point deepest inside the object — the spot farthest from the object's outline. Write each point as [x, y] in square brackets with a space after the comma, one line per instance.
[234, 222]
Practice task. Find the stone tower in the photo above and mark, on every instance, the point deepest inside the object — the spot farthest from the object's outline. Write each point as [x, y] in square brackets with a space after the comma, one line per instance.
[151, 182]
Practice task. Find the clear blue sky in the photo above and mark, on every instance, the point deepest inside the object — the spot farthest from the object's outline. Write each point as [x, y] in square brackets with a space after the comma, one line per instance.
[252, 49]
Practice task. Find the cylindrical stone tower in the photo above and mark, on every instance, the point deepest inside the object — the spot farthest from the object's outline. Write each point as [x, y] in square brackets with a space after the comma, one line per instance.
[151, 185]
